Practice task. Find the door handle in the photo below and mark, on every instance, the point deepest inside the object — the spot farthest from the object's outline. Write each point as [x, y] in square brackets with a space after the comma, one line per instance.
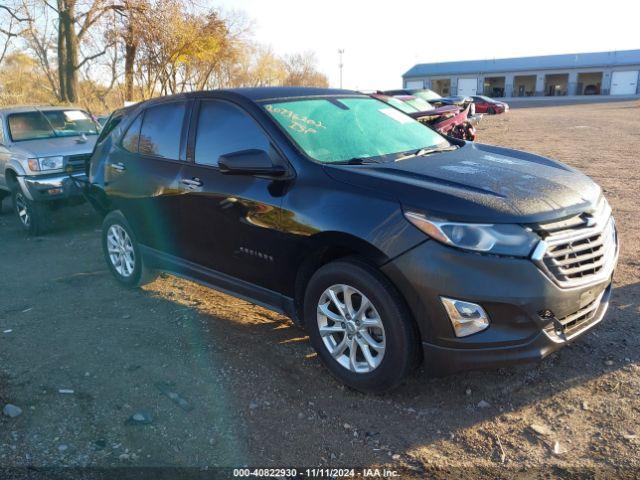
[192, 183]
[119, 167]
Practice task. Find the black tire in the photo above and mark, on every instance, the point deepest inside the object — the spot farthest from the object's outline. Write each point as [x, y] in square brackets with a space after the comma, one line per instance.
[33, 217]
[139, 275]
[3, 195]
[491, 111]
[401, 353]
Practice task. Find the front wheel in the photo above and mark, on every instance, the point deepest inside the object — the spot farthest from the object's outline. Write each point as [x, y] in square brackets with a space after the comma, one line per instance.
[33, 216]
[122, 253]
[359, 326]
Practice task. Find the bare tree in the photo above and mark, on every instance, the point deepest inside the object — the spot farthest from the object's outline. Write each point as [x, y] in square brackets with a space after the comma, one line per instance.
[302, 71]
[11, 27]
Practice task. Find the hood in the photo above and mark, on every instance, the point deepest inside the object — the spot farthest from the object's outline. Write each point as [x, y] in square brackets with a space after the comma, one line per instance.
[479, 183]
[47, 147]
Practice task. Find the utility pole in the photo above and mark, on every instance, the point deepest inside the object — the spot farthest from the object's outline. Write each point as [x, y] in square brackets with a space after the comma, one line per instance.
[341, 52]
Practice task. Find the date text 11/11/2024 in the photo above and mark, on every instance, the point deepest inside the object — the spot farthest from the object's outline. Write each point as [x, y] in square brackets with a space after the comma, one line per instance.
[315, 473]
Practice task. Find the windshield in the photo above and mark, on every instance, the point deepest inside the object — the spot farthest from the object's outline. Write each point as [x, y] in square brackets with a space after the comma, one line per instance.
[339, 130]
[427, 95]
[419, 103]
[400, 105]
[49, 124]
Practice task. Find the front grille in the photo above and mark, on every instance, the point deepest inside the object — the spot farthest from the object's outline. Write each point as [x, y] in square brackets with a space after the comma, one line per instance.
[581, 251]
[78, 162]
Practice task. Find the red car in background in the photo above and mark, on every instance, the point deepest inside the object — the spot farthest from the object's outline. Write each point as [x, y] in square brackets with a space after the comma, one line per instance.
[489, 105]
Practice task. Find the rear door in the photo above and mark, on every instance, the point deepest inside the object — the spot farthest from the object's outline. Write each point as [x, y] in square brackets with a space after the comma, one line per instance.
[142, 173]
[229, 222]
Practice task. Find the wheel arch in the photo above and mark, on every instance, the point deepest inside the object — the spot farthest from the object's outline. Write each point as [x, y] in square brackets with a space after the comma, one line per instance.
[327, 247]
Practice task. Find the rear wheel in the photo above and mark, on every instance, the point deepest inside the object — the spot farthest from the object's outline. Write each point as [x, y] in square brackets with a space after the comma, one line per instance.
[122, 253]
[33, 216]
[360, 326]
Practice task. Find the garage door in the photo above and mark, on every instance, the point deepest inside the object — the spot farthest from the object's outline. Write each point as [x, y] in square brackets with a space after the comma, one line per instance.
[415, 84]
[624, 83]
[467, 86]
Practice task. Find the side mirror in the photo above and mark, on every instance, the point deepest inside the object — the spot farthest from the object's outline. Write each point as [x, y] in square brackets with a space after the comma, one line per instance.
[250, 162]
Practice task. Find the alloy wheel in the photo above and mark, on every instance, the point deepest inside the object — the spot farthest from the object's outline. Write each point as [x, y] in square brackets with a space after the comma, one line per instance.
[121, 252]
[351, 328]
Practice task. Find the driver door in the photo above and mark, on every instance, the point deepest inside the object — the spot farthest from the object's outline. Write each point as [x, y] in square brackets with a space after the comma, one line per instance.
[230, 223]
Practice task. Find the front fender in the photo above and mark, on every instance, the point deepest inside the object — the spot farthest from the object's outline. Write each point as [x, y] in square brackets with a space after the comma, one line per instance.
[17, 166]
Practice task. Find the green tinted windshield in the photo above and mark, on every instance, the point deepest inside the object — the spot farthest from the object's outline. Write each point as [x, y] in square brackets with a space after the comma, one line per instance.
[427, 95]
[338, 130]
[419, 104]
[400, 105]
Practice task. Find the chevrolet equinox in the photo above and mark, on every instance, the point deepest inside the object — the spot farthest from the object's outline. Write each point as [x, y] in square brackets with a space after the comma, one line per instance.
[389, 243]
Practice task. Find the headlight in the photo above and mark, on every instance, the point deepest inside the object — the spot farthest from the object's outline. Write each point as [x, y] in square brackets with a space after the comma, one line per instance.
[500, 239]
[46, 163]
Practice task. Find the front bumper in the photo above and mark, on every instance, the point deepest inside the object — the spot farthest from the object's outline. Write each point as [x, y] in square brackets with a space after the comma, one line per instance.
[514, 293]
[46, 188]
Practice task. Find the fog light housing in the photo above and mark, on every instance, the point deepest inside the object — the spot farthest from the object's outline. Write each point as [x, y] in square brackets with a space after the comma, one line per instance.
[466, 318]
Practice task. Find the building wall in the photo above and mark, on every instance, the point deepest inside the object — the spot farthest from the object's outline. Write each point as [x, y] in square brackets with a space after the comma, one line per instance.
[540, 79]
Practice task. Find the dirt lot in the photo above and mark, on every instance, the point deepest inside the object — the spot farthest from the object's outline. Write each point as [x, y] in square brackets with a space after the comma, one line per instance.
[225, 383]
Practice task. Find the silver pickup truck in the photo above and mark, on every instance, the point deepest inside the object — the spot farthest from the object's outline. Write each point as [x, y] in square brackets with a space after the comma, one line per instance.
[40, 147]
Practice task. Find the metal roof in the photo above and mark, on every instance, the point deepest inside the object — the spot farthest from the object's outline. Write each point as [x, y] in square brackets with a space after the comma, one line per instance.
[547, 62]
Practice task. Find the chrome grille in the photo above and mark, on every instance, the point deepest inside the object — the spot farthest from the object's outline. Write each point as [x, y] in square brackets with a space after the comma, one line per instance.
[582, 253]
[78, 162]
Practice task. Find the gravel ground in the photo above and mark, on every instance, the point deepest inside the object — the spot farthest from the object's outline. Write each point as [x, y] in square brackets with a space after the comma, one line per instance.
[182, 376]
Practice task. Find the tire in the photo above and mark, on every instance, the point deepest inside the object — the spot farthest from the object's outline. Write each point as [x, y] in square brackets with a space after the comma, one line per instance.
[398, 335]
[122, 252]
[3, 195]
[491, 111]
[34, 217]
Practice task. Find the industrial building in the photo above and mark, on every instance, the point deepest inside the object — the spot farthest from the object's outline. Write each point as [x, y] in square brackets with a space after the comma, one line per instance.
[599, 73]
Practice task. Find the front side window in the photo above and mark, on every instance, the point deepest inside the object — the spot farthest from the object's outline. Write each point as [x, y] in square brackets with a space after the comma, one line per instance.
[50, 124]
[162, 130]
[341, 129]
[224, 128]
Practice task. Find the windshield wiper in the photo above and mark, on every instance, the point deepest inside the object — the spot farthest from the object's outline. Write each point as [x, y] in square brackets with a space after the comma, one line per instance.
[355, 161]
[423, 152]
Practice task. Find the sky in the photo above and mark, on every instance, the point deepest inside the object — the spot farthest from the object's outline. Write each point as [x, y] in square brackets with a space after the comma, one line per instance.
[383, 39]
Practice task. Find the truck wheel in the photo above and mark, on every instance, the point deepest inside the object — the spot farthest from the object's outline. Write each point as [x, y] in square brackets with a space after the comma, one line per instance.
[122, 253]
[33, 216]
[360, 326]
